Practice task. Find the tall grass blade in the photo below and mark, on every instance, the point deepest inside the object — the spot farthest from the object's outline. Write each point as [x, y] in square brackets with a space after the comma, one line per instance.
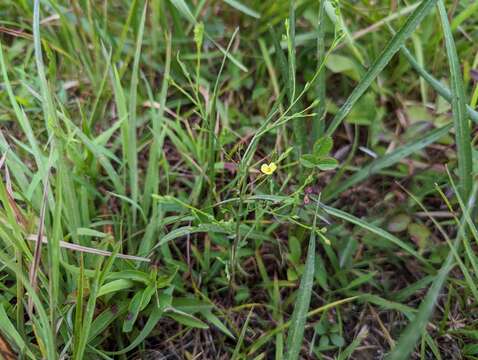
[318, 125]
[132, 137]
[469, 11]
[237, 349]
[47, 99]
[382, 60]
[35, 265]
[458, 104]
[295, 335]
[243, 8]
[151, 185]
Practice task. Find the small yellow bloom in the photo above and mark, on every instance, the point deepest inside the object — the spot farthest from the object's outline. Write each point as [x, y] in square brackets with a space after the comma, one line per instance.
[268, 169]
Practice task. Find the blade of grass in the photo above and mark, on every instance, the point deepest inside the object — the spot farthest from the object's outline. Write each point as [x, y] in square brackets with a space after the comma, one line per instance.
[47, 99]
[153, 319]
[318, 125]
[464, 15]
[295, 334]
[89, 312]
[151, 185]
[132, 156]
[80, 286]
[372, 228]
[101, 154]
[298, 125]
[237, 349]
[20, 114]
[7, 327]
[417, 44]
[34, 267]
[54, 253]
[290, 34]
[267, 336]
[382, 60]
[125, 30]
[458, 104]
[243, 8]
[270, 67]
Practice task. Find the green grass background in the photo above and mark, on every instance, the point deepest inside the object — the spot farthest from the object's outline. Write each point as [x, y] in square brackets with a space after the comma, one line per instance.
[135, 220]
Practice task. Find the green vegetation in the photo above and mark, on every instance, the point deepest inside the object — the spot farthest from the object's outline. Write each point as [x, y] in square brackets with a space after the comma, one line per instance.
[238, 179]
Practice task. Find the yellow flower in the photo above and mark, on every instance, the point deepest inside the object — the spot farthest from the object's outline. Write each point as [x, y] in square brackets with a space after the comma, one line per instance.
[268, 169]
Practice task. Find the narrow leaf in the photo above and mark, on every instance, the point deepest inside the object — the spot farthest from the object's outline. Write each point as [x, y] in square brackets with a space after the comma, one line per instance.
[295, 335]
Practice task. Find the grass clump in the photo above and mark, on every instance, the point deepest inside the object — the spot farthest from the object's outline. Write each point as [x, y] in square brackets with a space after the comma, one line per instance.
[243, 180]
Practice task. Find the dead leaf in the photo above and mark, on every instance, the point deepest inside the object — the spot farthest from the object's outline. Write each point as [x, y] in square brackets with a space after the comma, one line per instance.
[6, 351]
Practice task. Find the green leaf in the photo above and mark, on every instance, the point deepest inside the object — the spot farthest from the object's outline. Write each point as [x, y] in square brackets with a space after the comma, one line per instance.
[6, 327]
[186, 319]
[153, 319]
[337, 340]
[103, 320]
[469, 11]
[191, 305]
[327, 163]
[138, 303]
[294, 249]
[321, 328]
[324, 341]
[213, 319]
[398, 223]
[115, 286]
[184, 10]
[323, 146]
[90, 232]
[343, 64]
[308, 161]
[420, 234]
[323, 163]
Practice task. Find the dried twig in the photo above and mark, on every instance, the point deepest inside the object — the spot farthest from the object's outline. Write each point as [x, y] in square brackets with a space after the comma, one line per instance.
[90, 250]
[37, 254]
